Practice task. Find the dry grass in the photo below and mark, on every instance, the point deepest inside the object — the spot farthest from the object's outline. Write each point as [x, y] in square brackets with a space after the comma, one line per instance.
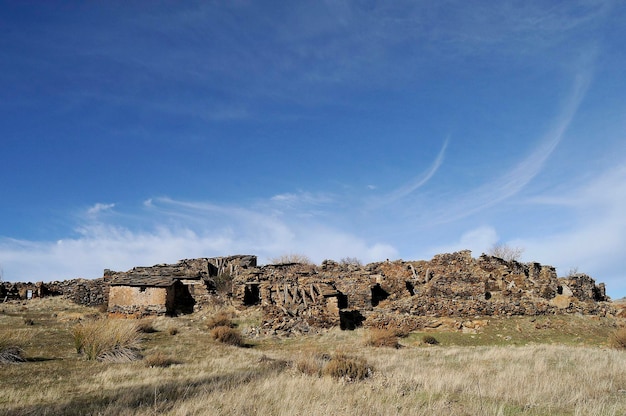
[146, 326]
[381, 338]
[12, 343]
[159, 359]
[227, 335]
[618, 339]
[347, 368]
[107, 340]
[222, 318]
[535, 379]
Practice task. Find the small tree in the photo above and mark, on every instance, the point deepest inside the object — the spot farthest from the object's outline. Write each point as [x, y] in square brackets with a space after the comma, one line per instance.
[291, 258]
[350, 261]
[506, 252]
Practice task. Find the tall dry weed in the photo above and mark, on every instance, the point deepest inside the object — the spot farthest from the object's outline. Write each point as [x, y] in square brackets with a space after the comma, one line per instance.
[107, 340]
[12, 345]
[381, 338]
[618, 339]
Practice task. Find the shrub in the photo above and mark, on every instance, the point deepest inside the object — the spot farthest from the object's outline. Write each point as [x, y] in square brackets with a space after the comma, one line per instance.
[11, 347]
[159, 359]
[223, 283]
[382, 338]
[227, 335]
[291, 258]
[146, 327]
[107, 340]
[172, 330]
[430, 340]
[29, 321]
[506, 252]
[220, 319]
[312, 364]
[618, 339]
[347, 368]
[350, 261]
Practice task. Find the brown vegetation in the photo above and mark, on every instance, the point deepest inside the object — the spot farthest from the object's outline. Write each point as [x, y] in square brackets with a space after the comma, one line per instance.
[552, 365]
[618, 339]
[227, 335]
[382, 338]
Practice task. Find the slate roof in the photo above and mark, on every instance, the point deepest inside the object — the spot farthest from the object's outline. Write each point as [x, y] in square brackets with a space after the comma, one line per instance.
[142, 280]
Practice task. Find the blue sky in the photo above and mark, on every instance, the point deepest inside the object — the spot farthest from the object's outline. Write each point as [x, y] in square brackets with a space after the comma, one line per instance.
[136, 133]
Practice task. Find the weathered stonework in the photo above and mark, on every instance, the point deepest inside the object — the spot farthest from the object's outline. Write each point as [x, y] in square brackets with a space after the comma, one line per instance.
[450, 289]
[412, 294]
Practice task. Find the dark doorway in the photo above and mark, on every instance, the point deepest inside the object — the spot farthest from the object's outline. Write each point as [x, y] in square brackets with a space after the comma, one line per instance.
[251, 295]
[350, 320]
[378, 294]
[411, 288]
[184, 301]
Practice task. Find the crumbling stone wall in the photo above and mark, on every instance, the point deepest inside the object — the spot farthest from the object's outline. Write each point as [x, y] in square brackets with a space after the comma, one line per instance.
[407, 294]
[404, 293]
[88, 292]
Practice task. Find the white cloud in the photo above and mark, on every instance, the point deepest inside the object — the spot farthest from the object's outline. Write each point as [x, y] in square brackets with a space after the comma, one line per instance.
[178, 230]
[478, 240]
[98, 208]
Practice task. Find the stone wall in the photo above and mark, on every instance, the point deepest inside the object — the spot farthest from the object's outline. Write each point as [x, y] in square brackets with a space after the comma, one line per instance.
[400, 293]
[88, 292]
[407, 294]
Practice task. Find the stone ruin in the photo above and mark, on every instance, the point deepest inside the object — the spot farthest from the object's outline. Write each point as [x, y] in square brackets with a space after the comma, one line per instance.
[410, 294]
[300, 297]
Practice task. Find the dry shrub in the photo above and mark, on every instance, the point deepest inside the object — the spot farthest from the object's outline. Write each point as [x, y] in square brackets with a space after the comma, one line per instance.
[347, 368]
[159, 359]
[274, 364]
[107, 340]
[618, 339]
[382, 338]
[146, 326]
[312, 364]
[227, 335]
[291, 258]
[220, 319]
[29, 321]
[172, 330]
[12, 347]
[429, 339]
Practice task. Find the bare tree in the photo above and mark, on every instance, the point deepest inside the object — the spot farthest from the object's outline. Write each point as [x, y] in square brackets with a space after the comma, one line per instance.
[291, 258]
[351, 261]
[506, 252]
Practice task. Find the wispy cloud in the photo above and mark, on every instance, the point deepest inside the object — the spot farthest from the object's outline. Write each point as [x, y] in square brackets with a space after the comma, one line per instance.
[99, 207]
[184, 229]
[417, 182]
[512, 182]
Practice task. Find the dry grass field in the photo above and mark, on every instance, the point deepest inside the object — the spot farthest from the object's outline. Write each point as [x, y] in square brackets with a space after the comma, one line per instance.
[559, 365]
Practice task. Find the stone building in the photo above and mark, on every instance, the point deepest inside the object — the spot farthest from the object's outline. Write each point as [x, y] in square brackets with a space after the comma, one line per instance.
[170, 288]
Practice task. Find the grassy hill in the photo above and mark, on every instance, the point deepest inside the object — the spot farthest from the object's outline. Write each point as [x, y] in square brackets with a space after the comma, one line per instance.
[548, 365]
